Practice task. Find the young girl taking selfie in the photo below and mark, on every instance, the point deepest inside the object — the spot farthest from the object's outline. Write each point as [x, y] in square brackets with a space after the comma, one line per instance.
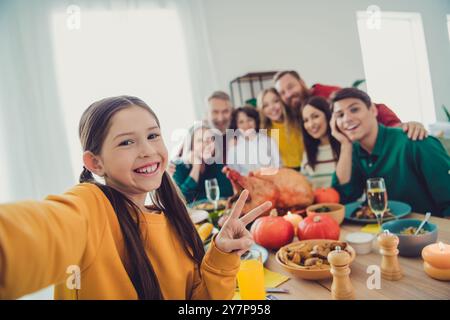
[105, 236]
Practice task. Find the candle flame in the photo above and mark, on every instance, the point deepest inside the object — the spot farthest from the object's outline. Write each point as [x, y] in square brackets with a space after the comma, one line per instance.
[441, 246]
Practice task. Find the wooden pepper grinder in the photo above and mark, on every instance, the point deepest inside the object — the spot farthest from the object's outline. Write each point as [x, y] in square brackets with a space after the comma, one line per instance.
[390, 267]
[341, 288]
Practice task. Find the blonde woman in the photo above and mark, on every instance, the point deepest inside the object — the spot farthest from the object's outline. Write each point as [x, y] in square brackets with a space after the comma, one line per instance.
[281, 125]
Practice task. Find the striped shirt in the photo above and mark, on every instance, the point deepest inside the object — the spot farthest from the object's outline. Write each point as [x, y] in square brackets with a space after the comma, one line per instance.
[322, 174]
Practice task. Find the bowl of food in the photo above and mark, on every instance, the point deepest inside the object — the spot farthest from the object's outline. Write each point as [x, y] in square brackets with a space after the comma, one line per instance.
[359, 212]
[334, 210]
[307, 259]
[411, 245]
[362, 242]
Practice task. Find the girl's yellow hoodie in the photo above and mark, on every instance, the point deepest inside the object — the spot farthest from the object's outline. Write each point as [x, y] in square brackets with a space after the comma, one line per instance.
[44, 242]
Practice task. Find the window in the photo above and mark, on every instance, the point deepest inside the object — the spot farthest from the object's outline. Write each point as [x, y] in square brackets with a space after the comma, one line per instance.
[396, 64]
[448, 25]
[4, 194]
[131, 52]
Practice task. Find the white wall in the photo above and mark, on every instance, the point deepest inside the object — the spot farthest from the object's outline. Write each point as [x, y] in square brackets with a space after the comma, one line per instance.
[317, 38]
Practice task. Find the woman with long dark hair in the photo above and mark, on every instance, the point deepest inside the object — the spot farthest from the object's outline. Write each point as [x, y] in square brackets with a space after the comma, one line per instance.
[321, 148]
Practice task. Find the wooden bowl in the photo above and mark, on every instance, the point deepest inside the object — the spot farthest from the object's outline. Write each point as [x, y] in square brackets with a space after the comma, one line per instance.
[311, 274]
[337, 211]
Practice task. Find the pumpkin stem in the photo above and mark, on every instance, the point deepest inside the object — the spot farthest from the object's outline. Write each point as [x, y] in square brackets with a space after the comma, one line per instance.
[316, 218]
[273, 213]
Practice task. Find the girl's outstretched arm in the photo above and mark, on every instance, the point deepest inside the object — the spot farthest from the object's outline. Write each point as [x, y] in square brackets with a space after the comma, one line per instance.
[221, 263]
[41, 240]
[216, 278]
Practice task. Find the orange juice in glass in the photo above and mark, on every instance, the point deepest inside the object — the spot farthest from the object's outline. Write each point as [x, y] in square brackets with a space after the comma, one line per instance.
[251, 277]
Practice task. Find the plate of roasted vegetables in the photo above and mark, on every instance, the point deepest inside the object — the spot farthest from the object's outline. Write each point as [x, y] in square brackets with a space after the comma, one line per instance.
[360, 212]
[308, 259]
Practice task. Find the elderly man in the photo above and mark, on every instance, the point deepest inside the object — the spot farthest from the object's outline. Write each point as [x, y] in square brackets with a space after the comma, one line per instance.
[219, 118]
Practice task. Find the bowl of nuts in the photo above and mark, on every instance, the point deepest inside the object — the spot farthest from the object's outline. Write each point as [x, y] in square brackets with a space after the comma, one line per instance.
[307, 259]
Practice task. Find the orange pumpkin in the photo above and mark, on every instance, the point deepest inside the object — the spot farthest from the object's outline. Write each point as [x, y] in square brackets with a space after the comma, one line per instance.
[326, 195]
[318, 227]
[272, 232]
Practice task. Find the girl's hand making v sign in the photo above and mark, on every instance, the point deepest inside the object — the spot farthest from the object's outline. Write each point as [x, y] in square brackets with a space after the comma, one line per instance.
[234, 237]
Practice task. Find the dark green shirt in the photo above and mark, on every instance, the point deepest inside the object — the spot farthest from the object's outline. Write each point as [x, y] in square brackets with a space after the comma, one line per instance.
[415, 172]
[193, 190]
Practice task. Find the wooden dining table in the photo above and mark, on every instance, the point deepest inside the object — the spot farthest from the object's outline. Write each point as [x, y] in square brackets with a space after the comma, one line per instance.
[415, 284]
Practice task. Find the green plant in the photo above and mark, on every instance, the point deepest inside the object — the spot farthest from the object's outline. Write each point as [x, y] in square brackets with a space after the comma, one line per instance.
[357, 83]
[447, 113]
[251, 102]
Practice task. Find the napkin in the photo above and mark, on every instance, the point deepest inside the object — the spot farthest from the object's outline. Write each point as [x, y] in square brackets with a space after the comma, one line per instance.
[371, 228]
[271, 280]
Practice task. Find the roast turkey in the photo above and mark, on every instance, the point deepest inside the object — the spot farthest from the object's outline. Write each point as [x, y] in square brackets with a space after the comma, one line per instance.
[285, 188]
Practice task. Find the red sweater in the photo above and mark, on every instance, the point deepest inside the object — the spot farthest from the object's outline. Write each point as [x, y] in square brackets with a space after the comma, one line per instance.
[385, 116]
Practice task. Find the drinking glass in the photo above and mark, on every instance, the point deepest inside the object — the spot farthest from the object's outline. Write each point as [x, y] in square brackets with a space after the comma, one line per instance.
[212, 191]
[377, 198]
[251, 277]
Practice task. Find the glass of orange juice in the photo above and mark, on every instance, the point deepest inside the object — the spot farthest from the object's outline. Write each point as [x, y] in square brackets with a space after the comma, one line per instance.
[251, 277]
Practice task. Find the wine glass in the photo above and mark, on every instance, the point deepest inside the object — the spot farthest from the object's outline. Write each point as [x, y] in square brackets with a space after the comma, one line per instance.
[377, 198]
[212, 191]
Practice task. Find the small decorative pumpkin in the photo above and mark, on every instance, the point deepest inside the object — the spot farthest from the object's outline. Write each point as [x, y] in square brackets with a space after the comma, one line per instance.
[272, 232]
[318, 227]
[326, 195]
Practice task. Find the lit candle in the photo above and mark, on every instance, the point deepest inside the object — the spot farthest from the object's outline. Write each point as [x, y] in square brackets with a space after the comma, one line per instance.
[294, 219]
[436, 263]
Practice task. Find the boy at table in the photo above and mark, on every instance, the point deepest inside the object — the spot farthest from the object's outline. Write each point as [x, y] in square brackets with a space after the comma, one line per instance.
[415, 172]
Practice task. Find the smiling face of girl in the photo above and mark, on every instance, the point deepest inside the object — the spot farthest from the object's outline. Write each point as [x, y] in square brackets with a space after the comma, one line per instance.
[272, 107]
[315, 122]
[133, 156]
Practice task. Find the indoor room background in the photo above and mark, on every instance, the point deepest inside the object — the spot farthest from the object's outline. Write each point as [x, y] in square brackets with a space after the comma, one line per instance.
[57, 57]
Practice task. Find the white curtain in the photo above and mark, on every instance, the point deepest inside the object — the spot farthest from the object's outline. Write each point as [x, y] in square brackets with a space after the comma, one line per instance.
[203, 74]
[35, 158]
[34, 144]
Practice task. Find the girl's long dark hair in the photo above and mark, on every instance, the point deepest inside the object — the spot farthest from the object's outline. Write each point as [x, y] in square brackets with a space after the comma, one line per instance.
[94, 125]
[311, 144]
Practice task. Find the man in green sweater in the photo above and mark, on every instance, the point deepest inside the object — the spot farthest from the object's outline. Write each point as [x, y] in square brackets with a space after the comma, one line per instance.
[415, 172]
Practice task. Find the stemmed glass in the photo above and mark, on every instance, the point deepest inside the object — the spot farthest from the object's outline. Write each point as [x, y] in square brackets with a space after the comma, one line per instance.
[212, 191]
[377, 198]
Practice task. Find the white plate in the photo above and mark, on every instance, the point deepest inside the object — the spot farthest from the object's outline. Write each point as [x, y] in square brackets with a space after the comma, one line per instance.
[262, 250]
[197, 216]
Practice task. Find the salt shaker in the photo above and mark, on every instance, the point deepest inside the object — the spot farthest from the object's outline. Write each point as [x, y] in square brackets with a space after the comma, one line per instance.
[341, 288]
[390, 267]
